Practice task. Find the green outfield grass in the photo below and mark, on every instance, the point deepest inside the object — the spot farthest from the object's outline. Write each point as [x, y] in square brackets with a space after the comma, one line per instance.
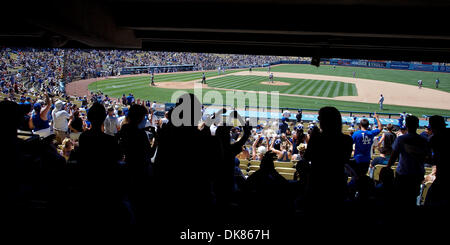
[390, 75]
[124, 84]
[297, 86]
[139, 86]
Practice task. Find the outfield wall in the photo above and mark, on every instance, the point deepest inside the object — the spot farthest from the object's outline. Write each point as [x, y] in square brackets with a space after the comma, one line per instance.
[402, 65]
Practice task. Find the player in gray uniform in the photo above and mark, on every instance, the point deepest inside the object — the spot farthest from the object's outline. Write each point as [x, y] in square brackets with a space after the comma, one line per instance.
[271, 77]
[420, 83]
[381, 102]
[437, 83]
[203, 78]
[153, 79]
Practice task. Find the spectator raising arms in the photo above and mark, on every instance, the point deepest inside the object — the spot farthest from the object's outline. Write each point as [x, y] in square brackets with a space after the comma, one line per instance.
[363, 140]
[285, 152]
[39, 121]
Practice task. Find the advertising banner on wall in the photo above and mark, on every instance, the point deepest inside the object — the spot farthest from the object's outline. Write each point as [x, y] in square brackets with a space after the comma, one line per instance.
[376, 64]
[359, 62]
[399, 65]
[422, 67]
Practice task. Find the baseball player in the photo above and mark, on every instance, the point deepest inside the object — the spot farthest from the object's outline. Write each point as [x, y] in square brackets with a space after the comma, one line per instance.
[203, 78]
[153, 79]
[271, 77]
[354, 74]
[250, 69]
[437, 83]
[420, 83]
[381, 101]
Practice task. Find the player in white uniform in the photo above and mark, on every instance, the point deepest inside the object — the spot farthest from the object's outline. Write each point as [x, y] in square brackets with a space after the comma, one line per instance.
[420, 83]
[271, 77]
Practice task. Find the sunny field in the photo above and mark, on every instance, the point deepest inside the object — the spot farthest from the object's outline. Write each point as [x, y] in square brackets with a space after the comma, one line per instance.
[139, 86]
[388, 75]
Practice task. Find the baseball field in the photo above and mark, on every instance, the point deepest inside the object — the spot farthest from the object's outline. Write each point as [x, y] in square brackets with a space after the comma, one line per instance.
[300, 86]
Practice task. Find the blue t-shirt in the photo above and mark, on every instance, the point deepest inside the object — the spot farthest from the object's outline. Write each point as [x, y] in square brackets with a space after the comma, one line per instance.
[363, 141]
[283, 127]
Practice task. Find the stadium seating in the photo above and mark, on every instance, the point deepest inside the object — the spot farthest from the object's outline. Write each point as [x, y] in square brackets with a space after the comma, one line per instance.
[285, 170]
[243, 161]
[255, 162]
[284, 164]
[253, 167]
[243, 166]
[376, 172]
[288, 176]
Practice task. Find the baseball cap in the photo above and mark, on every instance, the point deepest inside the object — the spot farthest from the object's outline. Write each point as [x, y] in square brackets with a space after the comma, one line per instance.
[262, 150]
[37, 106]
[59, 104]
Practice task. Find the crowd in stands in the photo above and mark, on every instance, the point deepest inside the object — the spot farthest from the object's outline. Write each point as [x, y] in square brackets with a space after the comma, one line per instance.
[121, 160]
[37, 66]
[116, 161]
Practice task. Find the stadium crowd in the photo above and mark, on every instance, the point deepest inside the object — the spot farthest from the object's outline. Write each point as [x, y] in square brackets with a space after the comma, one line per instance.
[119, 161]
[31, 65]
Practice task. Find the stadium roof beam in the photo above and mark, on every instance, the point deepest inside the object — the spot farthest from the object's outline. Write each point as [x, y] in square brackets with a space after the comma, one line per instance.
[369, 29]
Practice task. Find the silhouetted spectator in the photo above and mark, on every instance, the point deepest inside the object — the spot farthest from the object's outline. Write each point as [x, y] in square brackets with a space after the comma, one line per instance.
[385, 187]
[438, 193]
[184, 161]
[266, 192]
[412, 150]
[98, 160]
[427, 133]
[136, 150]
[328, 152]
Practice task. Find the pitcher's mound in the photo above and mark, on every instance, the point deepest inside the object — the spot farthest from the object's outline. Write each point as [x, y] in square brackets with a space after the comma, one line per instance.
[276, 83]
